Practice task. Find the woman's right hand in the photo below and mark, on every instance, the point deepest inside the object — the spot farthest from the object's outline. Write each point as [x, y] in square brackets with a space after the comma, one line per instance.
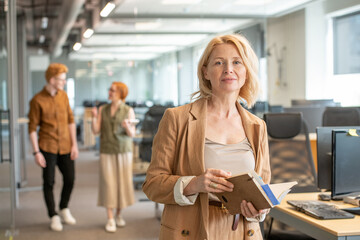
[94, 112]
[211, 181]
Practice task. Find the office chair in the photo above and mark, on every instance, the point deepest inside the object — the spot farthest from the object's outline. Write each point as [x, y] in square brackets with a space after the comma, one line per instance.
[341, 116]
[149, 128]
[290, 159]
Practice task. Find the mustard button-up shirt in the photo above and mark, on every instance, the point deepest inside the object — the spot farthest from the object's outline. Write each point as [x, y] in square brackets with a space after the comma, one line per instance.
[53, 114]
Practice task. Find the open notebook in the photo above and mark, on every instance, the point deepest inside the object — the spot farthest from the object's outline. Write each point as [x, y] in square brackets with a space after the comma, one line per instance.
[250, 187]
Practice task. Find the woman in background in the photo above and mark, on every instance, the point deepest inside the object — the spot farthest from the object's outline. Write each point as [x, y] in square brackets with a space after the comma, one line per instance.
[113, 122]
[201, 144]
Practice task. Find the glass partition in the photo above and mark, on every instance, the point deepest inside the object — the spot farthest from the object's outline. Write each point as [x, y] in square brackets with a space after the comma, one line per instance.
[5, 194]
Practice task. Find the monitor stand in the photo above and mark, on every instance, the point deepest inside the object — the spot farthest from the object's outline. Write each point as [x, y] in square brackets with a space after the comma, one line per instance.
[341, 197]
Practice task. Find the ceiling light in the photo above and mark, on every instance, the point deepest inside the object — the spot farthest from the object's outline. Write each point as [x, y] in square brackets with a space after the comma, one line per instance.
[107, 9]
[170, 2]
[44, 22]
[41, 38]
[88, 33]
[77, 46]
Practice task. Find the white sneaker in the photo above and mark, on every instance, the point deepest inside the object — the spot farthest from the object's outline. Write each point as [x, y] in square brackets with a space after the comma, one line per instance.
[110, 226]
[56, 224]
[120, 222]
[67, 217]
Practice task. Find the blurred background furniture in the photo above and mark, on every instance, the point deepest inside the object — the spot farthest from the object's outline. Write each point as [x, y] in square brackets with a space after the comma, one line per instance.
[149, 128]
[341, 116]
[290, 160]
[313, 102]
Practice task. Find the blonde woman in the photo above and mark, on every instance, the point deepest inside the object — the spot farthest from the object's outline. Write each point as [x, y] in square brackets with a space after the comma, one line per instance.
[200, 144]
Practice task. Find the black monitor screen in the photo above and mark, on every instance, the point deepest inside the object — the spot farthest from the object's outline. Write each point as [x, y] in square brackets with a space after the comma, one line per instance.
[324, 156]
[346, 162]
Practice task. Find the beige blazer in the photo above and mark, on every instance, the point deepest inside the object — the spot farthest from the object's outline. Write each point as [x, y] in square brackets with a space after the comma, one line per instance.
[178, 150]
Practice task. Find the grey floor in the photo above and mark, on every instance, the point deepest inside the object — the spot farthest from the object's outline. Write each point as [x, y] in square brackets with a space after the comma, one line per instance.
[31, 221]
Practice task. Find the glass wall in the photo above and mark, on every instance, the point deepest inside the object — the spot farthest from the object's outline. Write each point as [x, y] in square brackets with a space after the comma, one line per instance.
[5, 206]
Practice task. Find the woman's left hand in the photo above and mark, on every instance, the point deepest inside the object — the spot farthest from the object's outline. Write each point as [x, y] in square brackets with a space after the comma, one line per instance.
[126, 124]
[248, 210]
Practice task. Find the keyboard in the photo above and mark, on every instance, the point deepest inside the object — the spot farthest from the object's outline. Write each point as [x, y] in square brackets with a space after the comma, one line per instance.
[319, 210]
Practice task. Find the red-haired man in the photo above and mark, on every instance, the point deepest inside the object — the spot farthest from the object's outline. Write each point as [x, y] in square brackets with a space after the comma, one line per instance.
[55, 143]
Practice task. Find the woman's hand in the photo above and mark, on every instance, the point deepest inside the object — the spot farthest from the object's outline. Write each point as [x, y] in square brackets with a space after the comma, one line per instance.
[94, 112]
[248, 210]
[126, 123]
[213, 180]
[129, 127]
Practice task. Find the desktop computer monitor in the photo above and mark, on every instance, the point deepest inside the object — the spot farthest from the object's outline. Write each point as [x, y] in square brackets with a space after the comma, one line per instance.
[324, 154]
[345, 162]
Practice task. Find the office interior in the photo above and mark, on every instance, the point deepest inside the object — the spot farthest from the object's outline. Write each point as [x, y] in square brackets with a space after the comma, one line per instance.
[309, 60]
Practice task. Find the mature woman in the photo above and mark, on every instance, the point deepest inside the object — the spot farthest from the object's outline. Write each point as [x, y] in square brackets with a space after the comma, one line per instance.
[114, 124]
[200, 144]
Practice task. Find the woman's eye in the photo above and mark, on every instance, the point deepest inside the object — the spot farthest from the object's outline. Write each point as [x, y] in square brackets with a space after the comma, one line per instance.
[237, 62]
[218, 63]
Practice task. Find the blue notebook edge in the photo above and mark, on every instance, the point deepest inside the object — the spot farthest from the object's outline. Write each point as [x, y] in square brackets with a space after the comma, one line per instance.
[270, 194]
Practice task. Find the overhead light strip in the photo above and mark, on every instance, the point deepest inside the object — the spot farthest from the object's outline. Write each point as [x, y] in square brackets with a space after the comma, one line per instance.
[107, 9]
[77, 46]
[88, 33]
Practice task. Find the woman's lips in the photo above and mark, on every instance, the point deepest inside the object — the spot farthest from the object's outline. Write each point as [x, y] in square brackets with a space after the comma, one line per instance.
[229, 79]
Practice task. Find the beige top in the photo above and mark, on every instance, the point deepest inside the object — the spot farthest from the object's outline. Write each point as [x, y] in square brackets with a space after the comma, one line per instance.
[235, 158]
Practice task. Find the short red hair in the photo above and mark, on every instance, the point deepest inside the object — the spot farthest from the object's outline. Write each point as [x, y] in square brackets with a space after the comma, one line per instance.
[122, 89]
[55, 69]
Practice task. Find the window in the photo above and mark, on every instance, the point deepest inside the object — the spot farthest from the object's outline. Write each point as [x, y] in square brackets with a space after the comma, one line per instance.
[346, 32]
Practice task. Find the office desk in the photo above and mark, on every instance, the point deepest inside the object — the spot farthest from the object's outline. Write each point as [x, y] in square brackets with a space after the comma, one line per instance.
[344, 229]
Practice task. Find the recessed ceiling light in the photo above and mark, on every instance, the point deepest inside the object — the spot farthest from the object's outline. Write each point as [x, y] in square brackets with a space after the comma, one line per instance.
[44, 22]
[42, 38]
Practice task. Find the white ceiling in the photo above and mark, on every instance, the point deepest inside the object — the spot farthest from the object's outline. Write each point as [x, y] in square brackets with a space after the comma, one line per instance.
[145, 29]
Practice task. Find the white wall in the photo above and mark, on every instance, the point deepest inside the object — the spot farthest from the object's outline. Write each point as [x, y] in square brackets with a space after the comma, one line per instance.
[307, 59]
[316, 58]
[286, 43]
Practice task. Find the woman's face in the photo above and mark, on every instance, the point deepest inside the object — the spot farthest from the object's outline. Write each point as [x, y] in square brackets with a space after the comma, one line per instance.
[225, 70]
[114, 94]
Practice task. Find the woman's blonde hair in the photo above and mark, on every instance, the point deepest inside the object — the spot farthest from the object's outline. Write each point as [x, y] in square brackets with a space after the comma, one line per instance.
[122, 89]
[249, 92]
